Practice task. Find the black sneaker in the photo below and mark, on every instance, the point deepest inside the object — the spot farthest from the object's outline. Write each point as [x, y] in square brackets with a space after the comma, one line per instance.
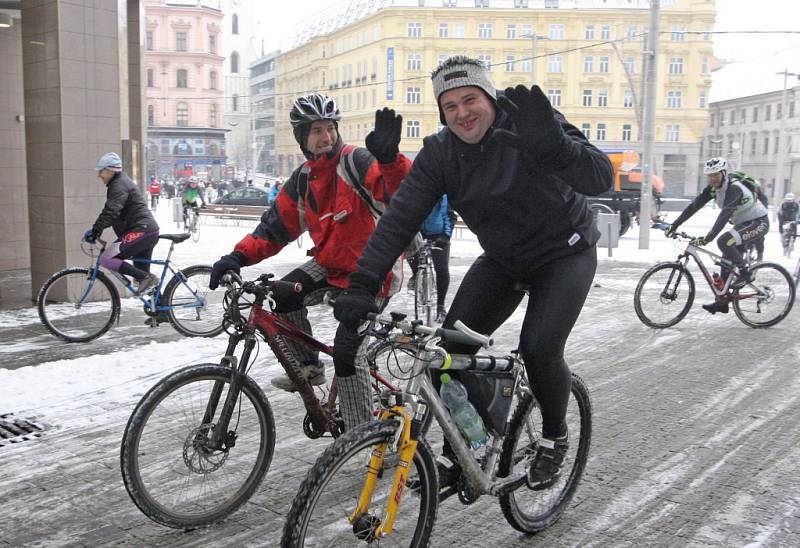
[745, 277]
[160, 318]
[545, 469]
[716, 307]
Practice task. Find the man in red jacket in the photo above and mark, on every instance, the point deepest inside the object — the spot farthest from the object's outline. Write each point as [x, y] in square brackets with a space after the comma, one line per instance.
[337, 195]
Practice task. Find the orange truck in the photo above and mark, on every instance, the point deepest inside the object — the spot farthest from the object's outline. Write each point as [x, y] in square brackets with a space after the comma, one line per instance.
[624, 196]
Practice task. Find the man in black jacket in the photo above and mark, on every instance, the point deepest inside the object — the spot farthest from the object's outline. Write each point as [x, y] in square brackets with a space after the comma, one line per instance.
[126, 212]
[515, 171]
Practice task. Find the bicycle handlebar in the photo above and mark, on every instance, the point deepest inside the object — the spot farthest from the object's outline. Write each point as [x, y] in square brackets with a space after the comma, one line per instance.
[675, 236]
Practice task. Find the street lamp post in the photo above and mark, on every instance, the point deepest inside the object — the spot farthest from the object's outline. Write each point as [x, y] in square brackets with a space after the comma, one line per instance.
[781, 130]
[534, 39]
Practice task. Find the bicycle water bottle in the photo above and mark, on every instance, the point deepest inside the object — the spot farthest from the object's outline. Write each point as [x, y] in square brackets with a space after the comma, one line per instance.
[718, 280]
[466, 417]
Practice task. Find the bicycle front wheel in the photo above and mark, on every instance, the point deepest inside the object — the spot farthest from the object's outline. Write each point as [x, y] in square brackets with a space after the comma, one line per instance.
[194, 309]
[169, 469]
[321, 511]
[664, 295]
[195, 227]
[76, 308]
[767, 299]
[424, 297]
[532, 511]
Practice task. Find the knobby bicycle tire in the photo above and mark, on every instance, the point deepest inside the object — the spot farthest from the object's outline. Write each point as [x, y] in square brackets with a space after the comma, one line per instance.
[328, 488]
[661, 291]
[195, 229]
[424, 296]
[532, 511]
[187, 318]
[771, 296]
[174, 484]
[59, 312]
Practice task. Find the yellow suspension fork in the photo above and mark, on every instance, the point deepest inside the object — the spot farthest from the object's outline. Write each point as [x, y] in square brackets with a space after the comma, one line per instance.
[407, 447]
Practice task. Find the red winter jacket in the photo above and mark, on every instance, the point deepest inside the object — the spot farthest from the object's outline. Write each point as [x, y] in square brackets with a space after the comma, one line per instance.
[337, 217]
[154, 187]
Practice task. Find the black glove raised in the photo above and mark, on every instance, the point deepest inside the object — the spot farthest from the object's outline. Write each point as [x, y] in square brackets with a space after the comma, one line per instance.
[234, 261]
[538, 132]
[384, 140]
[352, 306]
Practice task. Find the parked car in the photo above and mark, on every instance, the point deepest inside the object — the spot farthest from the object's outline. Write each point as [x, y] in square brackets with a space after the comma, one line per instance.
[247, 202]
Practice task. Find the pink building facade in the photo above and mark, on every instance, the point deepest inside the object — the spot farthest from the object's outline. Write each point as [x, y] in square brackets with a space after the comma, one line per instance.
[183, 88]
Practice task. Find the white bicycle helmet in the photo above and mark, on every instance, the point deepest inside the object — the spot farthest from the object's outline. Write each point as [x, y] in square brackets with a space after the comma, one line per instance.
[715, 165]
[789, 197]
[312, 108]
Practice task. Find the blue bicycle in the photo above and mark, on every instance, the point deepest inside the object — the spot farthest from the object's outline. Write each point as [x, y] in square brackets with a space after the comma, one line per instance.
[80, 304]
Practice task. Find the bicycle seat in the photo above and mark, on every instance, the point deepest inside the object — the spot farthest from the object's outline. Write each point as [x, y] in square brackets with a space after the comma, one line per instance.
[177, 238]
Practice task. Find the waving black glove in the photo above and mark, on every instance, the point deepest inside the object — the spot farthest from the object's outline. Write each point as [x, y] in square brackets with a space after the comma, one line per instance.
[538, 132]
[383, 141]
[352, 306]
[234, 261]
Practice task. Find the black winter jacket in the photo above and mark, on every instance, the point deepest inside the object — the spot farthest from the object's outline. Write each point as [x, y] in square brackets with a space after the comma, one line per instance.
[524, 211]
[126, 209]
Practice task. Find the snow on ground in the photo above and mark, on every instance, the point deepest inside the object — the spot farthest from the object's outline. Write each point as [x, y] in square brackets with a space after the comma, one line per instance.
[56, 382]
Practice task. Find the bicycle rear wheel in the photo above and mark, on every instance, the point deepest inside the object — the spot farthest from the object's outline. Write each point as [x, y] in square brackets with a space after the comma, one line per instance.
[168, 468]
[766, 300]
[76, 308]
[330, 492]
[196, 310]
[664, 295]
[195, 227]
[532, 511]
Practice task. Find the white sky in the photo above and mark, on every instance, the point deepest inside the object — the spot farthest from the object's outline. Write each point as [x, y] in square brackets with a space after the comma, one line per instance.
[757, 57]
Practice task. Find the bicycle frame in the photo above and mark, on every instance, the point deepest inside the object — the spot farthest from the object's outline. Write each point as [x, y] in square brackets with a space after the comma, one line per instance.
[270, 326]
[694, 252]
[419, 397]
[426, 276]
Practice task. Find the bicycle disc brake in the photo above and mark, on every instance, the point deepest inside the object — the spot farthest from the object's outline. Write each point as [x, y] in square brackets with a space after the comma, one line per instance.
[198, 456]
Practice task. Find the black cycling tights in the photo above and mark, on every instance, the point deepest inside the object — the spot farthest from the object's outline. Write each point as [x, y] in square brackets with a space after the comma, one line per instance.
[486, 298]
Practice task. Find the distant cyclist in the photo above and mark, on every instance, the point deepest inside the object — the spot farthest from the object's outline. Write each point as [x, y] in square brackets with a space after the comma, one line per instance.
[127, 213]
[737, 195]
[191, 193]
[154, 188]
[788, 212]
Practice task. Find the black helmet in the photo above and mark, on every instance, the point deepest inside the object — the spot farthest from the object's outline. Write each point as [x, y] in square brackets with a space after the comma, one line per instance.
[313, 108]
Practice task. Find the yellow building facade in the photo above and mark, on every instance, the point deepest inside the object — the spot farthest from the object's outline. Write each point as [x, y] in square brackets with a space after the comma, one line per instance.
[585, 54]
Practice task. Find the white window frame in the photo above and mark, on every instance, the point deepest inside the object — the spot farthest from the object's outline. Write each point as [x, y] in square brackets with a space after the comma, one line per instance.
[484, 30]
[556, 31]
[413, 129]
[414, 29]
[586, 97]
[414, 95]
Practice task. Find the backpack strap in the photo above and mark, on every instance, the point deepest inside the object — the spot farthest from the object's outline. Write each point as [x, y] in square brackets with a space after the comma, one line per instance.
[347, 171]
[302, 192]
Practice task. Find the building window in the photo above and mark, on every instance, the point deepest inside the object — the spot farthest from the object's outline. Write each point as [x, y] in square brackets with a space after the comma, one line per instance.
[704, 66]
[235, 62]
[677, 34]
[235, 102]
[487, 61]
[674, 99]
[526, 65]
[414, 61]
[481, 3]
[753, 145]
[182, 115]
[212, 43]
[149, 40]
[180, 41]
[673, 133]
[150, 80]
[555, 64]
[442, 58]
[414, 95]
[791, 110]
[588, 32]
[603, 66]
[511, 31]
[602, 100]
[448, 3]
[733, 117]
[458, 31]
[212, 80]
[627, 100]
[722, 118]
[706, 33]
[164, 146]
[551, 3]
[443, 28]
[182, 79]
[605, 32]
[212, 116]
[151, 115]
[587, 97]
[702, 101]
[712, 120]
[601, 132]
[554, 95]
[586, 129]
[527, 30]
[630, 65]
[766, 145]
[235, 23]
[676, 65]
[631, 34]
[588, 64]
[412, 129]
[626, 132]
[520, 3]
[484, 30]
[415, 30]
[778, 111]
[509, 63]
[767, 112]
[556, 32]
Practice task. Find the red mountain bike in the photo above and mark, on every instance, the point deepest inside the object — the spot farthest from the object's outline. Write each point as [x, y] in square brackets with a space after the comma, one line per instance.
[201, 440]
